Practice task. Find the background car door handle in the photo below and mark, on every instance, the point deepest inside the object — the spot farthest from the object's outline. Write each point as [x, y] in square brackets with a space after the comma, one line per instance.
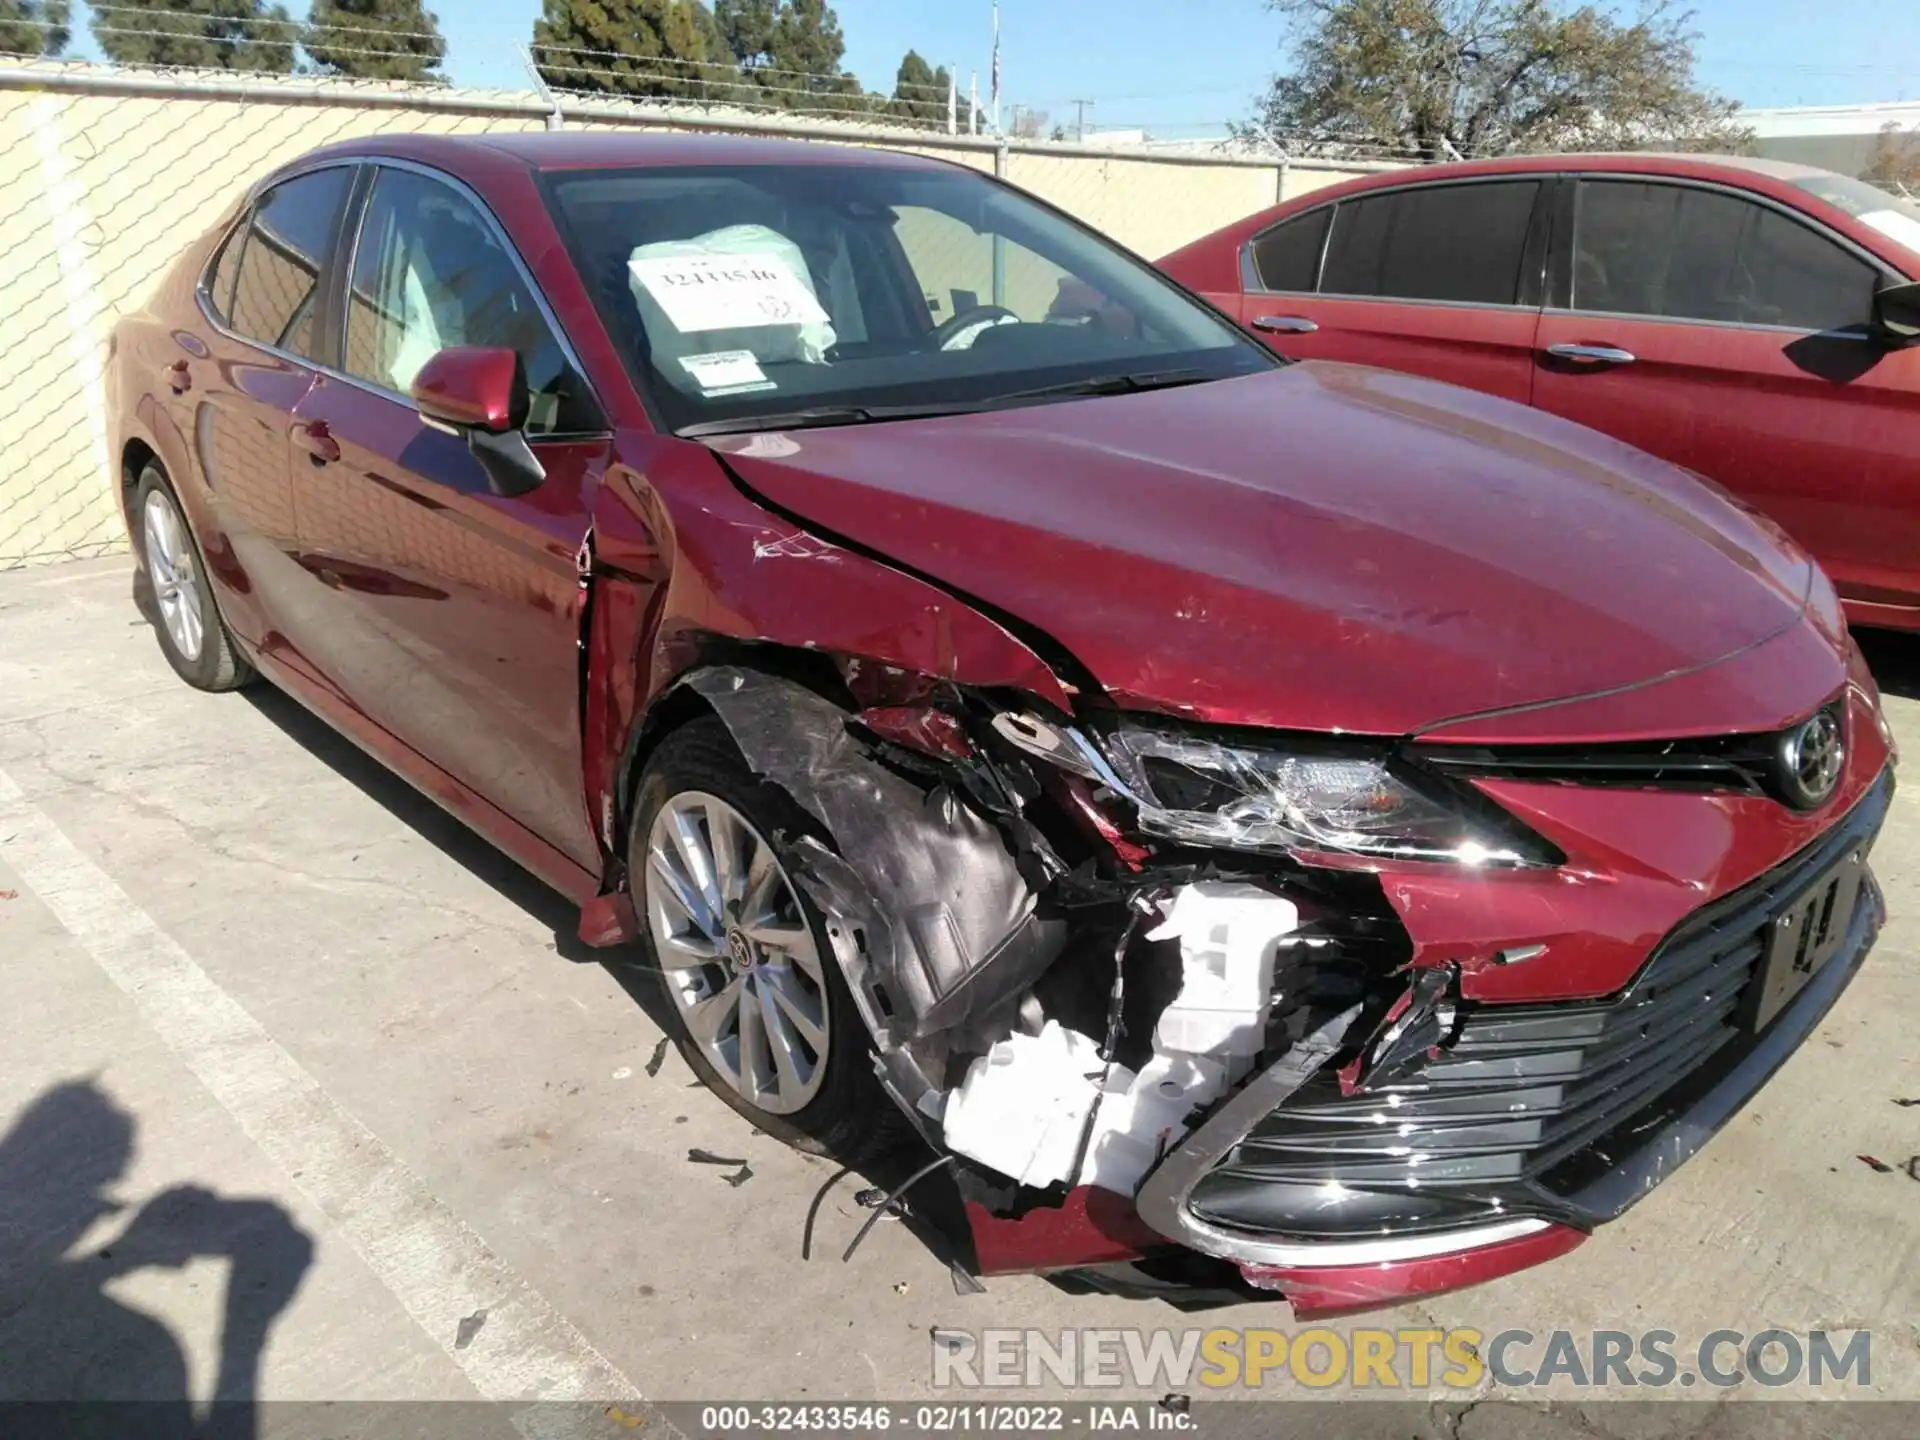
[314, 438]
[179, 377]
[1286, 325]
[1592, 354]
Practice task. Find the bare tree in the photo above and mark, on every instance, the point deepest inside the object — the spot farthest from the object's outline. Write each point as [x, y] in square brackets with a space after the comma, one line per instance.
[1437, 78]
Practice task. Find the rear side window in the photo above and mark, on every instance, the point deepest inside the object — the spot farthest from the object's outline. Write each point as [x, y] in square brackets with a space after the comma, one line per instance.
[286, 242]
[1460, 243]
[430, 273]
[220, 280]
[1684, 253]
[1287, 257]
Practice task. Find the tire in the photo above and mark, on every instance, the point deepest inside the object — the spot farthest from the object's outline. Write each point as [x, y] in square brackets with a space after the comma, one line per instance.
[844, 1113]
[186, 619]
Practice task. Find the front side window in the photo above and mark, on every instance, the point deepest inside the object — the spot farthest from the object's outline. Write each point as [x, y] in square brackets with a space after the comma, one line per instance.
[429, 272]
[1458, 243]
[740, 291]
[1685, 253]
[1287, 257]
[287, 239]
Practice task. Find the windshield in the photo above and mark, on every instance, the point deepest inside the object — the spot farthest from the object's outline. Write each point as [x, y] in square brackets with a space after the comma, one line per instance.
[1892, 216]
[745, 291]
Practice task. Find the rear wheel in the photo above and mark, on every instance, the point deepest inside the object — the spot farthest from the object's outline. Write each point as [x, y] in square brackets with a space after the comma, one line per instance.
[756, 1000]
[186, 619]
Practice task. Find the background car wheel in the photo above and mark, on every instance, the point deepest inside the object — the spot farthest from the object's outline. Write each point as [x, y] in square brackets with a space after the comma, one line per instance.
[192, 636]
[754, 997]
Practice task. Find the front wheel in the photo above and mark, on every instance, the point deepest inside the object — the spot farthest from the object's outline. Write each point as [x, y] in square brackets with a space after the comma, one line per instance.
[758, 1006]
[187, 622]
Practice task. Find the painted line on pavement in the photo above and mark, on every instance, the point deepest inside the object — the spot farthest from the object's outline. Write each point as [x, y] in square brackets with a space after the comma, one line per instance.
[436, 1266]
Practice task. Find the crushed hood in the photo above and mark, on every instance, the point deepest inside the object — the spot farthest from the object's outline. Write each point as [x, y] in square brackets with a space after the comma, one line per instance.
[1321, 547]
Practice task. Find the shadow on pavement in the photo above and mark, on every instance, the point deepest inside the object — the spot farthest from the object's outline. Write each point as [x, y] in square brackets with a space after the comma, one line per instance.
[89, 1364]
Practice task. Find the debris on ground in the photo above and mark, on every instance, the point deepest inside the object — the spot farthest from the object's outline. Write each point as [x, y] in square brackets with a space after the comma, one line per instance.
[1912, 1167]
[658, 1059]
[625, 1072]
[1914, 1101]
[1879, 1167]
[965, 1282]
[9, 894]
[469, 1327]
[741, 1176]
[707, 1157]
[1176, 1404]
[900, 1287]
[871, 1198]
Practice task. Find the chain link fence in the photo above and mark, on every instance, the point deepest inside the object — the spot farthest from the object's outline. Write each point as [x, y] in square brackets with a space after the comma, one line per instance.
[106, 173]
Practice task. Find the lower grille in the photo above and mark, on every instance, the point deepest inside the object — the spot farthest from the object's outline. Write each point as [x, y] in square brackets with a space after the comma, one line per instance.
[1529, 1101]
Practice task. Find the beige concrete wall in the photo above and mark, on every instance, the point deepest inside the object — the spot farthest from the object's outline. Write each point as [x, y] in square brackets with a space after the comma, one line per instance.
[99, 193]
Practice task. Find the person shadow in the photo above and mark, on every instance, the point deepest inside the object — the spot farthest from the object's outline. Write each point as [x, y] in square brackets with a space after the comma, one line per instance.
[76, 1362]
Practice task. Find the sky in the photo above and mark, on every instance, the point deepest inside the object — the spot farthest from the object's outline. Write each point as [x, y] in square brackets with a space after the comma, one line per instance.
[1187, 67]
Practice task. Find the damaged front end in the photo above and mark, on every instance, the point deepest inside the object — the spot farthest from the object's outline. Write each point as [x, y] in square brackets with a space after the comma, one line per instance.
[1064, 973]
[1150, 990]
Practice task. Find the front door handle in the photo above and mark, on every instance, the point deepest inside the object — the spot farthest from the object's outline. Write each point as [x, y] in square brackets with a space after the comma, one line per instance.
[314, 438]
[179, 377]
[1592, 354]
[1285, 325]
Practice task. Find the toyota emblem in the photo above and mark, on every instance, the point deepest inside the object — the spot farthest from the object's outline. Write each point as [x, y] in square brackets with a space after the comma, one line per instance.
[1811, 757]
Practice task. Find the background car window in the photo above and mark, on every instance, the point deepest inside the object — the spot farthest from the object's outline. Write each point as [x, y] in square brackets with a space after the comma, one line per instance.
[225, 268]
[1445, 242]
[1287, 257]
[287, 239]
[430, 273]
[1691, 254]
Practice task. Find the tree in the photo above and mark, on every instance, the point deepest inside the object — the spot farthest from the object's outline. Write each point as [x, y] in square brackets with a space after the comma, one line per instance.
[790, 50]
[1895, 164]
[33, 27]
[1433, 78]
[379, 39]
[920, 94]
[209, 34]
[625, 47]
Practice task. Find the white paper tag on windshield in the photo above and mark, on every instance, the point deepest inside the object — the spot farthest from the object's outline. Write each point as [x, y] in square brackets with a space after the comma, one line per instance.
[727, 292]
[727, 372]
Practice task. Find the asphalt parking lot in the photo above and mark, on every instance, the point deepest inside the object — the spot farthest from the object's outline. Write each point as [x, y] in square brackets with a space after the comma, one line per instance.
[271, 1016]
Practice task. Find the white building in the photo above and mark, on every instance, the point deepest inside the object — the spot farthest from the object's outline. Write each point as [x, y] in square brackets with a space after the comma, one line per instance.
[1834, 137]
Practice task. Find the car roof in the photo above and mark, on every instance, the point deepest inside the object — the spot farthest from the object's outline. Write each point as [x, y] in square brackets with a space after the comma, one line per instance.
[592, 150]
[1656, 162]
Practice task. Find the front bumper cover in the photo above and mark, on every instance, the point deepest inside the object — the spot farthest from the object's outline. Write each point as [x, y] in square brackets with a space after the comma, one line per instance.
[1539, 1122]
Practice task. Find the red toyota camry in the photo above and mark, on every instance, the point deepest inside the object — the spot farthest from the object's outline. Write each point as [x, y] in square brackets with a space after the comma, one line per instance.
[1257, 824]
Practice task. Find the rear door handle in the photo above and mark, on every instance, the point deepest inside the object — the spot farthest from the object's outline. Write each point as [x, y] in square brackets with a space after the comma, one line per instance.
[179, 377]
[1592, 354]
[1286, 325]
[314, 438]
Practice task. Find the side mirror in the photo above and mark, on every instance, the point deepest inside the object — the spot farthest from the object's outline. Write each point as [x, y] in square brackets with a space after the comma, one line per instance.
[482, 394]
[1896, 312]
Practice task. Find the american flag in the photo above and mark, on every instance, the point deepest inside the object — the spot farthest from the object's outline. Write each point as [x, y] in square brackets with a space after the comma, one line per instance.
[996, 57]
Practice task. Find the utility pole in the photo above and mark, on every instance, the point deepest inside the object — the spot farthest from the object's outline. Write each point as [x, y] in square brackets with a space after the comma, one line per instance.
[1080, 121]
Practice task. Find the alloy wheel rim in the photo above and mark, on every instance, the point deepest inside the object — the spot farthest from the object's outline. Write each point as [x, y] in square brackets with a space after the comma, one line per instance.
[176, 577]
[738, 953]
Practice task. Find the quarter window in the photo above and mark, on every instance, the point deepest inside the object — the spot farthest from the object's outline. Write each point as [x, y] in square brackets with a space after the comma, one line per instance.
[220, 282]
[286, 242]
[1287, 257]
[1460, 243]
[430, 273]
[1685, 253]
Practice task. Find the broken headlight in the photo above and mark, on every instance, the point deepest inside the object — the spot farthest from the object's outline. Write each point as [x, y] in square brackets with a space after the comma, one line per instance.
[1248, 796]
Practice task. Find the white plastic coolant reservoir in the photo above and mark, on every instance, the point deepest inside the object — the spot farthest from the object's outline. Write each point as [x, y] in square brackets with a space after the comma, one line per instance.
[1228, 934]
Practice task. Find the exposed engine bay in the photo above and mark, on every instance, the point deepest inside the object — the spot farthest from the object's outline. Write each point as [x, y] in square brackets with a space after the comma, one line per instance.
[1052, 1003]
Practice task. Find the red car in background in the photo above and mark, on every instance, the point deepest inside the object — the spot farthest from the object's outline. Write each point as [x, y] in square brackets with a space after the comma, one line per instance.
[924, 631]
[1750, 320]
